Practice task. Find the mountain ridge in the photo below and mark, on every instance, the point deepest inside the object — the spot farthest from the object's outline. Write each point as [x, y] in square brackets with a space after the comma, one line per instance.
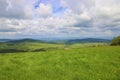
[88, 40]
[25, 40]
[68, 41]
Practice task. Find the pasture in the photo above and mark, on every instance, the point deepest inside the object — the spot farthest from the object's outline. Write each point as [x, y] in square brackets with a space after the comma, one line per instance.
[62, 63]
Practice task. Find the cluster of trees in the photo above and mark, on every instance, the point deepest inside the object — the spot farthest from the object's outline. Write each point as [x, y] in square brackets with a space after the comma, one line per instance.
[115, 41]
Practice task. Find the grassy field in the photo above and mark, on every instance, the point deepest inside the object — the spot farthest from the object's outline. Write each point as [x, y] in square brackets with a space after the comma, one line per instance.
[40, 47]
[66, 63]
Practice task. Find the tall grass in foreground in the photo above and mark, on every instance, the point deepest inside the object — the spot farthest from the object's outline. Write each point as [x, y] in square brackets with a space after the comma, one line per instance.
[96, 63]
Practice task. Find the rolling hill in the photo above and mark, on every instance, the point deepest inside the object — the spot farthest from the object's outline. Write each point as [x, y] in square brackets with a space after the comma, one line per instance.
[24, 40]
[32, 45]
[68, 41]
[5, 40]
[39, 60]
[88, 40]
[27, 45]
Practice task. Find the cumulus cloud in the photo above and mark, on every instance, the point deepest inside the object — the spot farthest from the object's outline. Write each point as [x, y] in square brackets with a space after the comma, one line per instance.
[44, 10]
[7, 25]
[66, 18]
[16, 9]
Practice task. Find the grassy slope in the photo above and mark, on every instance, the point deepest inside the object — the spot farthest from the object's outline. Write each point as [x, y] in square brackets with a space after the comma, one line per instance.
[42, 47]
[96, 63]
[29, 46]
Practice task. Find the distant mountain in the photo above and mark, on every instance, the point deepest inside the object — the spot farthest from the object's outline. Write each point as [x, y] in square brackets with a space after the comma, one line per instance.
[69, 41]
[25, 40]
[5, 40]
[87, 40]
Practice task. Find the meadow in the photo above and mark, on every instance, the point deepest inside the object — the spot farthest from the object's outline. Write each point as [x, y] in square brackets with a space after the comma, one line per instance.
[60, 62]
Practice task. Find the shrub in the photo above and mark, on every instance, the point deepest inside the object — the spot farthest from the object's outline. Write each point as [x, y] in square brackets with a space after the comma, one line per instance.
[11, 51]
[115, 41]
[39, 50]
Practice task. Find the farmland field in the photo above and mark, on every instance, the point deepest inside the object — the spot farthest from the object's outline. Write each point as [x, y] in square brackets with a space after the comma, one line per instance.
[62, 63]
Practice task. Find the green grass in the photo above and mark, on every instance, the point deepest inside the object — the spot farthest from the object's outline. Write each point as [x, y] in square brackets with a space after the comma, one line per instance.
[37, 46]
[29, 46]
[91, 63]
[82, 45]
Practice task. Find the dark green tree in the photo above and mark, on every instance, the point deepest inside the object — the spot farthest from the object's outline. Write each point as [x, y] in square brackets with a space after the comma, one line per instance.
[115, 41]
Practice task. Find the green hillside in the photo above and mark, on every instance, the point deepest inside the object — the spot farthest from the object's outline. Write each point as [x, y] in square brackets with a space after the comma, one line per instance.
[27, 46]
[67, 63]
[30, 45]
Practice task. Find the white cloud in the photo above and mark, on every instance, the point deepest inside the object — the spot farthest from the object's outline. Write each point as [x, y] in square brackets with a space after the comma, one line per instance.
[80, 18]
[16, 9]
[44, 10]
[9, 5]
[7, 25]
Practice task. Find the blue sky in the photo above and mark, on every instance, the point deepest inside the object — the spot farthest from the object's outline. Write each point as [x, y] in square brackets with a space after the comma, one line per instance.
[59, 18]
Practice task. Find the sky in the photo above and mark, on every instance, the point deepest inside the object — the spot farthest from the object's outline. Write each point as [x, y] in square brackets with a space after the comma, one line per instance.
[59, 18]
